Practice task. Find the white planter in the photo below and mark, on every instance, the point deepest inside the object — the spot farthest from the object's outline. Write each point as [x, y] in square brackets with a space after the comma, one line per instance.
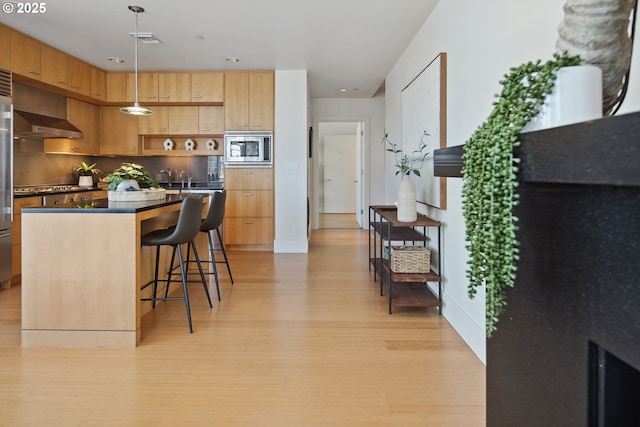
[407, 200]
[85, 181]
[576, 97]
[138, 196]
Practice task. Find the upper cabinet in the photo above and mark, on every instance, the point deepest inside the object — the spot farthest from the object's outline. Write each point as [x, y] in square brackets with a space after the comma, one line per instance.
[249, 100]
[24, 55]
[79, 73]
[174, 87]
[4, 47]
[117, 87]
[207, 87]
[118, 133]
[98, 84]
[147, 88]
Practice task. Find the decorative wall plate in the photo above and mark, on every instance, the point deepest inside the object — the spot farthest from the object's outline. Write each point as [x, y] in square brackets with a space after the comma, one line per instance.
[168, 144]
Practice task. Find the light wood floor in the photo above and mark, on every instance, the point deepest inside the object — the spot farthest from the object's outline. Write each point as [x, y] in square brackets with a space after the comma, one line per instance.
[297, 341]
[337, 220]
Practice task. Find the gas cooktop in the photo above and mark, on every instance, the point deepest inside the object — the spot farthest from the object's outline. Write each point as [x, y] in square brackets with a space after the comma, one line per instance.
[40, 189]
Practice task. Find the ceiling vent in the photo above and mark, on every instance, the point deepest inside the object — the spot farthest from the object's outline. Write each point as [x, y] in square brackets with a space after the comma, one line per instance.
[145, 38]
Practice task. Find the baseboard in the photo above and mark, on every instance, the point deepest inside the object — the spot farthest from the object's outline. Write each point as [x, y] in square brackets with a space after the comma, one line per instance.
[468, 329]
[291, 246]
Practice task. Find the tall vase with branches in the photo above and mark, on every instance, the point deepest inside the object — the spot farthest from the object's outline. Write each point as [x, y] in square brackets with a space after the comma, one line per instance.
[407, 164]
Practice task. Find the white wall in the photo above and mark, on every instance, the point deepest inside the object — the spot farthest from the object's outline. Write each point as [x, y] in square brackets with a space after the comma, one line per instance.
[371, 111]
[482, 40]
[290, 161]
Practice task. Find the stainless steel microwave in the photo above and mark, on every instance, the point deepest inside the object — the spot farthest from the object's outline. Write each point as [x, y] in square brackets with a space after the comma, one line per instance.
[248, 149]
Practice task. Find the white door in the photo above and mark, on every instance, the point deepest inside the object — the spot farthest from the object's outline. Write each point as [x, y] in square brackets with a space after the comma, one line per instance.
[340, 179]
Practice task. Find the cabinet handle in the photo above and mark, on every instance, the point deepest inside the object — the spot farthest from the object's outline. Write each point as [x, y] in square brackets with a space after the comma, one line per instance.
[150, 96]
[74, 86]
[162, 129]
[197, 96]
[174, 130]
[204, 130]
[97, 94]
[249, 173]
[256, 126]
[33, 72]
[248, 222]
[164, 96]
[242, 126]
[248, 194]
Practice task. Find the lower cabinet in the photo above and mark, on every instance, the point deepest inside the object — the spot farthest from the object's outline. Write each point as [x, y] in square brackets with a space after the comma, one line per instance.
[249, 216]
[16, 230]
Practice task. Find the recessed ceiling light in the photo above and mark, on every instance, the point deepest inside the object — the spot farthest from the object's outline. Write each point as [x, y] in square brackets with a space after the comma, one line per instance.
[233, 59]
[116, 59]
[198, 37]
[344, 89]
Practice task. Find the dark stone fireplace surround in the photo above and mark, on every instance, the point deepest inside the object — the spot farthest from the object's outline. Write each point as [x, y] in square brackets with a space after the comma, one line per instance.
[578, 282]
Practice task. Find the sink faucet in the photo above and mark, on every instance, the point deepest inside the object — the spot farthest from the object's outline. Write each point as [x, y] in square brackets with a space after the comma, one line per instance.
[182, 174]
[169, 175]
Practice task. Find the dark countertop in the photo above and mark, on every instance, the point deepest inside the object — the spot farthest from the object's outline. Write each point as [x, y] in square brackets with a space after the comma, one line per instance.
[197, 187]
[107, 206]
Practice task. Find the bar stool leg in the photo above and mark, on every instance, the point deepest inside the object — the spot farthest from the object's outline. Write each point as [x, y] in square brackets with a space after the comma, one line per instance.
[213, 262]
[170, 272]
[184, 287]
[204, 281]
[224, 253]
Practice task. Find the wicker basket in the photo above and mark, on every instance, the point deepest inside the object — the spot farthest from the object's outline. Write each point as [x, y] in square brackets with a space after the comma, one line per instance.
[410, 259]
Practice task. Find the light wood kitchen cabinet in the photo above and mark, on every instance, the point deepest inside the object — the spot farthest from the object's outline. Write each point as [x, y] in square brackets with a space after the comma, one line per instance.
[261, 95]
[183, 120]
[174, 87]
[156, 123]
[249, 207]
[118, 133]
[16, 230]
[210, 120]
[98, 82]
[249, 100]
[207, 87]
[117, 87]
[5, 63]
[236, 105]
[54, 66]
[85, 117]
[147, 88]
[25, 55]
[79, 76]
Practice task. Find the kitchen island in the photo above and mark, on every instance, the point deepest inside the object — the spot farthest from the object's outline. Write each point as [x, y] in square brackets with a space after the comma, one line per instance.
[83, 268]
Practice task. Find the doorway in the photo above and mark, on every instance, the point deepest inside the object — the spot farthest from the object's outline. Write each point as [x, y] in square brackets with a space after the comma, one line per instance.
[339, 172]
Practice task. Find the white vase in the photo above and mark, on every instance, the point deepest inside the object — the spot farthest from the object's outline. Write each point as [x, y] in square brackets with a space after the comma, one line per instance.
[576, 97]
[85, 181]
[407, 200]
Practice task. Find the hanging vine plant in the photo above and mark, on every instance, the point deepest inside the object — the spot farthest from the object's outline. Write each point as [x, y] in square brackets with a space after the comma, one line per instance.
[489, 181]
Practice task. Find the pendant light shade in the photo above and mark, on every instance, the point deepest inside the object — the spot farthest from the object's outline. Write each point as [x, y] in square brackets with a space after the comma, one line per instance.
[136, 109]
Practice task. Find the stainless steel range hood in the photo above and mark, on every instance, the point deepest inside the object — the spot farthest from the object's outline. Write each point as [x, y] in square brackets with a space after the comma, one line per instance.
[40, 114]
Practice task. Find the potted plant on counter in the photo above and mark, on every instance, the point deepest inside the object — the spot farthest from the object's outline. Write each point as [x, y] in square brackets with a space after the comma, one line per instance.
[125, 182]
[128, 177]
[85, 173]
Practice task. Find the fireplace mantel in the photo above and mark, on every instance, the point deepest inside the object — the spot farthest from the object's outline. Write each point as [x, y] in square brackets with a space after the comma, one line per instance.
[598, 152]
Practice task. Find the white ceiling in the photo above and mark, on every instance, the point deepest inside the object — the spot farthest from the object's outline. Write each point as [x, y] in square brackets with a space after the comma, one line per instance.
[342, 43]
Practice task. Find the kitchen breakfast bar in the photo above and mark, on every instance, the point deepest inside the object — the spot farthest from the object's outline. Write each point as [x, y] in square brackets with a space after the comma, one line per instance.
[83, 268]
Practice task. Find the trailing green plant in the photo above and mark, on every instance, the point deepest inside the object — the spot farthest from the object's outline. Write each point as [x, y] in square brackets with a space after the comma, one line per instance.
[489, 181]
[85, 169]
[129, 171]
[408, 163]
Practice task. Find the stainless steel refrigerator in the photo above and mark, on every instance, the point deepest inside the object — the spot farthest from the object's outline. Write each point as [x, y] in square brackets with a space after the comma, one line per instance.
[6, 186]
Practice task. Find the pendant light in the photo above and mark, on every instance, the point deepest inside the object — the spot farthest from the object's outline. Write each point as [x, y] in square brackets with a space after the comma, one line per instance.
[136, 109]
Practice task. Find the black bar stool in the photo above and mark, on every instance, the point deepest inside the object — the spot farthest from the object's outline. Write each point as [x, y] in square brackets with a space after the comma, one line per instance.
[184, 232]
[213, 221]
